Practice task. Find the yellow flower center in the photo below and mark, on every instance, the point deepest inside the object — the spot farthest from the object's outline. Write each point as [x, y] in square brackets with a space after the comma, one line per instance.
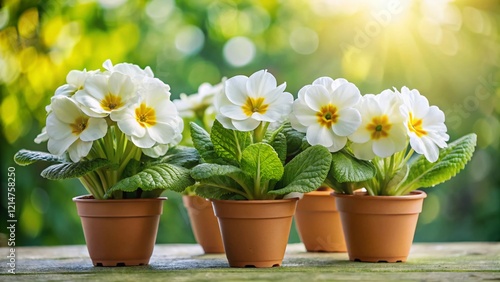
[111, 102]
[415, 125]
[254, 105]
[379, 127]
[327, 115]
[79, 125]
[145, 115]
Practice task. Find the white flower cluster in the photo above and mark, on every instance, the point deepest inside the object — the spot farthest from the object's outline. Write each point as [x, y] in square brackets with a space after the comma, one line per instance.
[124, 95]
[331, 112]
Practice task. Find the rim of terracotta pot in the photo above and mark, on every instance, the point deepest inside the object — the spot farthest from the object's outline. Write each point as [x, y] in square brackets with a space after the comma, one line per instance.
[266, 206]
[416, 194]
[124, 207]
[406, 204]
[90, 198]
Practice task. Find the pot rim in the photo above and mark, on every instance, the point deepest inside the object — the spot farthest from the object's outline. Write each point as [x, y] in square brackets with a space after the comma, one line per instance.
[317, 193]
[87, 199]
[416, 194]
[248, 202]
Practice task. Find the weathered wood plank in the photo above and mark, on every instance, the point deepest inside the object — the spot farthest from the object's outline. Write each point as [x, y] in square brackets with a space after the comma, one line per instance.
[432, 261]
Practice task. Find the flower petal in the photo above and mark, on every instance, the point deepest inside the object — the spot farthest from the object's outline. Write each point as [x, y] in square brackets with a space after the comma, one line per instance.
[317, 97]
[346, 95]
[384, 147]
[363, 151]
[96, 129]
[59, 146]
[143, 142]
[349, 119]
[65, 109]
[260, 83]
[161, 132]
[79, 149]
[236, 90]
[233, 112]
[245, 125]
[319, 135]
[303, 114]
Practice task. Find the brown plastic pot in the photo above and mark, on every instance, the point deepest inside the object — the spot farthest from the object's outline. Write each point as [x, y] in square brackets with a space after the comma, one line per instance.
[318, 223]
[379, 228]
[119, 232]
[204, 224]
[255, 233]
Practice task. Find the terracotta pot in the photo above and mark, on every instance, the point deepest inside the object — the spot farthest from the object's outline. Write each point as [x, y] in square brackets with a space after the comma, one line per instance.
[379, 228]
[204, 224]
[119, 232]
[255, 233]
[318, 223]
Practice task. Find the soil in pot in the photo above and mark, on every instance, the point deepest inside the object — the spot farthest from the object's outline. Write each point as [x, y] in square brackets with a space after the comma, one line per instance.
[379, 228]
[119, 232]
[204, 224]
[255, 233]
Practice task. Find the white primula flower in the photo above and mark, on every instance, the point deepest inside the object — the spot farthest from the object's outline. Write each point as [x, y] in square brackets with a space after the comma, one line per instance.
[131, 70]
[104, 95]
[424, 124]
[70, 129]
[382, 131]
[248, 101]
[159, 150]
[153, 119]
[42, 137]
[189, 105]
[75, 81]
[325, 112]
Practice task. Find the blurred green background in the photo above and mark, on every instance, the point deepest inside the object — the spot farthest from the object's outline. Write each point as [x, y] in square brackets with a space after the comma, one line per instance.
[449, 50]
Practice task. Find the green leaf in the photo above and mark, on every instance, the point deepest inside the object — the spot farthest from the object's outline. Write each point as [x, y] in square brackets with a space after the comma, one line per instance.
[158, 176]
[294, 140]
[218, 180]
[347, 168]
[26, 157]
[229, 144]
[306, 172]
[204, 146]
[182, 156]
[450, 162]
[279, 144]
[133, 167]
[73, 170]
[262, 162]
[398, 179]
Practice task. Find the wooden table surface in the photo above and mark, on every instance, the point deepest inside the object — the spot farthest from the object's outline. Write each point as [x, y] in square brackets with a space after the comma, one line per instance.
[472, 261]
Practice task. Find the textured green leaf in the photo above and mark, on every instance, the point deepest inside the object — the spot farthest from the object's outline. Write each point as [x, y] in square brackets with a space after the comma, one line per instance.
[133, 167]
[294, 139]
[229, 144]
[398, 179]
[204, 146]
[347, 168]
[73, 170]
[218, 180]
[26, 157]
[261, 161]
[182, 156]
[450, 162]
[306, 172]
[279, 144]
[159, 176]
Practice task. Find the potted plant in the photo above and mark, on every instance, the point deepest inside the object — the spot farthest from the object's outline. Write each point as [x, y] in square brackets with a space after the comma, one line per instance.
[113, 130]
[379, 222]
[317, 218]
[248, 170]
[198, 108]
